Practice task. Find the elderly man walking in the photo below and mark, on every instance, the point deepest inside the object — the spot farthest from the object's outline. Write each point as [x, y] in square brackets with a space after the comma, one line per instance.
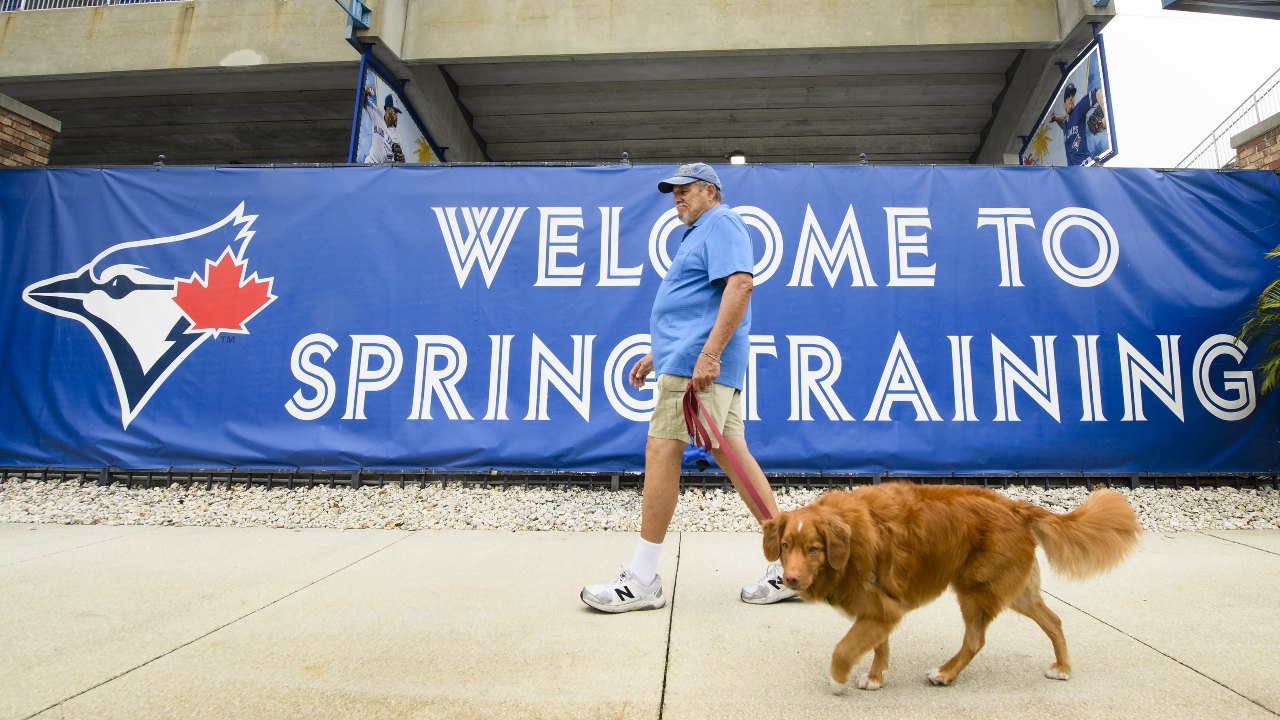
[699, 325]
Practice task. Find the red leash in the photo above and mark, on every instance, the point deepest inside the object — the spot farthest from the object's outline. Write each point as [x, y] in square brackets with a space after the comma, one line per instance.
[699, 435]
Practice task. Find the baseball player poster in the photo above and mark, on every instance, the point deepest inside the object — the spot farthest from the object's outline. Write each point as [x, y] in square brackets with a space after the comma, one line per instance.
[388, 132]
[1076, 126]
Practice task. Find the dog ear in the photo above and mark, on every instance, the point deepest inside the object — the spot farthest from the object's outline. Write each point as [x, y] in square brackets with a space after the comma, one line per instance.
[772, 530]
[837, 535]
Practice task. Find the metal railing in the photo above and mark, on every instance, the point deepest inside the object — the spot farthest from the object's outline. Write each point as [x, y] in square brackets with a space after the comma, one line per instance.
[297, 478]
[16, 5]
[1215, 152]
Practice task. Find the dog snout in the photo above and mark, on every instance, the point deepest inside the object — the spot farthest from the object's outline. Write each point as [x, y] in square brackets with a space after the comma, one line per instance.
[792, 580]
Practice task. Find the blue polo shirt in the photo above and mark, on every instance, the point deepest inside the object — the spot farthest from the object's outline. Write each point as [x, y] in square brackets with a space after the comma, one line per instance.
[1075, 128]
[715, 247]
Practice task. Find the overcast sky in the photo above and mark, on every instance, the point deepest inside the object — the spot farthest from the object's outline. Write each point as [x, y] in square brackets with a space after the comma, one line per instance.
[1176, 75]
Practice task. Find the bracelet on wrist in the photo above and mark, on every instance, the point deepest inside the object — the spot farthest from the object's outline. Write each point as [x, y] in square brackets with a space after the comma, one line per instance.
[712, 356]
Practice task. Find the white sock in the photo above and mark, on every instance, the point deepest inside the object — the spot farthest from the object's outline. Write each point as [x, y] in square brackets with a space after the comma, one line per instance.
[645, 564]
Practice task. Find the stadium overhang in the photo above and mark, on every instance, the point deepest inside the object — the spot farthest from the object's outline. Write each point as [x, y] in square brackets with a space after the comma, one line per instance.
[936, 81]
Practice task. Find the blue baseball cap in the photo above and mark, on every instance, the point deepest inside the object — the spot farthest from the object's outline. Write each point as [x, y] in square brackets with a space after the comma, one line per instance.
[689, 173]
[1070, 89]
[390, 102]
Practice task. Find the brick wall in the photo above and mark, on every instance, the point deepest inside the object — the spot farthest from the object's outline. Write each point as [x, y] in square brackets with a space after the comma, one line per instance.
[1258, 148]
[1261, 153]
[26, 134]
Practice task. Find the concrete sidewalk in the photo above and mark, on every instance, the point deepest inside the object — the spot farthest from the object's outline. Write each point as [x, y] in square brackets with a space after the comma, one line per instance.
[138, 622]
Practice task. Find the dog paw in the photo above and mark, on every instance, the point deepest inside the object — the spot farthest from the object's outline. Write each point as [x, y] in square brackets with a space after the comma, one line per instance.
[936, 677]
[837, 688]
[1053, 673]
[866, 683]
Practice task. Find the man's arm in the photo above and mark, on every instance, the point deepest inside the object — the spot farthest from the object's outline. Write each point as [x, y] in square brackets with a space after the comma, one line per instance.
[733, 305]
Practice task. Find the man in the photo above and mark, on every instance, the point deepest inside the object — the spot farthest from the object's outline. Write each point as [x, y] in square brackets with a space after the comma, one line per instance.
[699, 325]
[384, 145]
[1073, 123]
[391, 118]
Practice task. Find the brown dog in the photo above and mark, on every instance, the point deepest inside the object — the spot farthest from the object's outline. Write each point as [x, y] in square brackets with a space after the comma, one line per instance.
[882, 551]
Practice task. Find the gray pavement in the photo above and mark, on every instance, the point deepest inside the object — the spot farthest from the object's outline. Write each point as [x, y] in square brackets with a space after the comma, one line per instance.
[133, 622]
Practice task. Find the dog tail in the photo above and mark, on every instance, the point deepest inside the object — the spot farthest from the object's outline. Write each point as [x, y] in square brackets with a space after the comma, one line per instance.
[1089, 540]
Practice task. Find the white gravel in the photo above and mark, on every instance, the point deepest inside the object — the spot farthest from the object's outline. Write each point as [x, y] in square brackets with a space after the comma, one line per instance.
[520, 508]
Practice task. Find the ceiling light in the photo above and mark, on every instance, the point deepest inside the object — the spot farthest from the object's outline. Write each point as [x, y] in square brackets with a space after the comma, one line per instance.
[737, 158]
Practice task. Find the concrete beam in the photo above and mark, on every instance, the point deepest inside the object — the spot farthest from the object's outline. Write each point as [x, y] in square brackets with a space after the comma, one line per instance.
[183, 141]
[447, 121]
[1003, 129]
[176, 35]
[845, 91]
[202, 109]
[742, 123]
[100, 86]
[444, 30]
[735, 65]
[1074, 17]
[755, 148]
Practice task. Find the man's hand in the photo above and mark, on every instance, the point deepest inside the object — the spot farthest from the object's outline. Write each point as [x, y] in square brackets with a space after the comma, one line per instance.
[641, 370]
[705, 372]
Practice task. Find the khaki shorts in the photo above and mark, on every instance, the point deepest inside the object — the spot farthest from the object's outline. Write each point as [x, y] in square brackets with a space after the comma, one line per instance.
[723, 402]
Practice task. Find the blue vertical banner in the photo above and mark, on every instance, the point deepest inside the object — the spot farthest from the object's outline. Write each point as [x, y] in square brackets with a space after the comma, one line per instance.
[913, 319]
[1076, 126]
[387, 129]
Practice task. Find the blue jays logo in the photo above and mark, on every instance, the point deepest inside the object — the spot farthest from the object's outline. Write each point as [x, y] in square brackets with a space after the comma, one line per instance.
[148, 306]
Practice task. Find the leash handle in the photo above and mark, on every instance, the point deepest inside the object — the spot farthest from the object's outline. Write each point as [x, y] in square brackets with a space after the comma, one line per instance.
[700, 436]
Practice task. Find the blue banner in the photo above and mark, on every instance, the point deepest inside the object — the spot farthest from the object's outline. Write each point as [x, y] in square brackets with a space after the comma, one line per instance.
[914, 319]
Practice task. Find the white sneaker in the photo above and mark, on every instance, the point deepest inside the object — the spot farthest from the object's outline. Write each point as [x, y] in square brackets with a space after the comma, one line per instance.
[625, 593]
[770, 588]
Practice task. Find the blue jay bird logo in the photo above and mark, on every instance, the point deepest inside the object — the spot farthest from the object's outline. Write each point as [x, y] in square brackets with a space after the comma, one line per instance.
[148, 307]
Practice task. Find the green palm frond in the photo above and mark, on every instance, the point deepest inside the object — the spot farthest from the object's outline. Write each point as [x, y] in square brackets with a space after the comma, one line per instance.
[1262, 325]
[1270, 371]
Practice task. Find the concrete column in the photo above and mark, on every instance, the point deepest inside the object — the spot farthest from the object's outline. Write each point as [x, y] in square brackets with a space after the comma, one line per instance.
[26, 134]
[437, 104]
[1019, 94]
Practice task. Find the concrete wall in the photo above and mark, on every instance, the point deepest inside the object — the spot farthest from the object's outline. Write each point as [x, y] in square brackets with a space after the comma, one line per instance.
[443, 30]
[167, 36]
[221, 33]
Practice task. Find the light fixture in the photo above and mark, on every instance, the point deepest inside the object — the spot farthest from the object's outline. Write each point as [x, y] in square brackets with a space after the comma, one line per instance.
[737, 158]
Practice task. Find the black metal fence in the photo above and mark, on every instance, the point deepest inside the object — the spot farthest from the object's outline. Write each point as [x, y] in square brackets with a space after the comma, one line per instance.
[294, 478]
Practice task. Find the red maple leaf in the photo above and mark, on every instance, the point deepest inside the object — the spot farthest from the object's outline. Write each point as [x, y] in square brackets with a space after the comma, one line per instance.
[224, 299]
